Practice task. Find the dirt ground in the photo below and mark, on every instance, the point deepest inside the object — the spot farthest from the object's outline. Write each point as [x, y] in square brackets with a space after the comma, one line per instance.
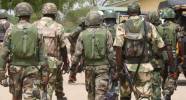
[77, 91]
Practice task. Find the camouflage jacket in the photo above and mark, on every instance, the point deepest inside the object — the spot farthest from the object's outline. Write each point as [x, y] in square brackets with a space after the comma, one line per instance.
[6, 24]
[6, 52]
[53, 36]
[152, 35]
[79, 50]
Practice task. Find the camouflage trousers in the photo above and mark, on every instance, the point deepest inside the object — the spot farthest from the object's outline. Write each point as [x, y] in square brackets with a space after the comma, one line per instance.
[55, 79]
[156, 84]
[97, 81]
[169, 86]
[143, 84]
[24, 82]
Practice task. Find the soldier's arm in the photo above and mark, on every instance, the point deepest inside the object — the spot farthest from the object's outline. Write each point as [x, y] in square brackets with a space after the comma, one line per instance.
[63, 48]
[155, 37]
[42, 51]
[4, 53]
[78, 51]
[118, 43]
[110, 49]
[74, 35]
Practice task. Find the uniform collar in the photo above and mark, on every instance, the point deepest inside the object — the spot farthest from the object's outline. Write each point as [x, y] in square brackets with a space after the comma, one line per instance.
[46, 18]
[23, 21]
[134, 17]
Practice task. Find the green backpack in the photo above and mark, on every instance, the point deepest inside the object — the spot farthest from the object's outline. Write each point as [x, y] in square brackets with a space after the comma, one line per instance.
[24, 43]
[94, 43]
[168, 33]
[136, 40]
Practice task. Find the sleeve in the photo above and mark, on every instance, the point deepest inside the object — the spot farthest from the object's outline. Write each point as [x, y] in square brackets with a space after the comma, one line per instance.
[61, 36]
[119, 39]
[110, 49]
[156, 38]
[42, 51]
[5, 50]
[78, 50]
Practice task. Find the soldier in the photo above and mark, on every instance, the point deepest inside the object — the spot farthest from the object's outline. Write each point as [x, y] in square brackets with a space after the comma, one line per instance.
[169, 31]
[4, 25]
[73, 39]
[133, 41]
[110, 21]
[53, 35]
[24, 46]
[157, 61]
[95, 43]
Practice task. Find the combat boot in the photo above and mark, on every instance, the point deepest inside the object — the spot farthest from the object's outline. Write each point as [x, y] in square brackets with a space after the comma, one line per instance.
[72, 78]
[167, 97]
[61, 98]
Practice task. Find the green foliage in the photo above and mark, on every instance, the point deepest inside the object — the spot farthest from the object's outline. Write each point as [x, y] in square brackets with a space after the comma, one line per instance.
[73, 18]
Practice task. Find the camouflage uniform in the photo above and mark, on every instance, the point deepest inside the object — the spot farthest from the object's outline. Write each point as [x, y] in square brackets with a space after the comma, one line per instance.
[96, 71]
[143, 80]
[4, 25]
[73, 39]
[157, 61]
[23, 74]
[169, 31]
[53, 35]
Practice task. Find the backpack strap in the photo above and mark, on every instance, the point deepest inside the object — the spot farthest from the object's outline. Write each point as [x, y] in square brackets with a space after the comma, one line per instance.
[142, 54]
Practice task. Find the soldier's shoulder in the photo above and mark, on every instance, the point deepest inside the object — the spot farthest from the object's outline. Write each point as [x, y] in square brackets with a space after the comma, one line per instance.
[58, 25]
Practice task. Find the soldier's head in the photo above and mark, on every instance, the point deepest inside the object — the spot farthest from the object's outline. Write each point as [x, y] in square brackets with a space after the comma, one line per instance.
[167, 14]
[94, 18]
[133, 9]
[23, 10]
[3, 14]
[110, 17]
[49, 10]
[154, 18]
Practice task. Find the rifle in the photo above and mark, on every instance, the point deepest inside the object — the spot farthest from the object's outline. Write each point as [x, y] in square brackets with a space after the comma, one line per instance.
[112, 93]
[171, 61]
[130, 81]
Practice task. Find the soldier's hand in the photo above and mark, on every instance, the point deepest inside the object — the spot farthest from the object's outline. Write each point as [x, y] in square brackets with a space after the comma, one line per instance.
[45, 79]
[115, 76]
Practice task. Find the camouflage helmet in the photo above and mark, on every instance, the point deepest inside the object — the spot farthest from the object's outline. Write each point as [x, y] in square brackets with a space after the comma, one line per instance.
[3, 13]
[49, 8]
[167, 13]
[133, 8]
[154, 18]
[23, 9]
[109, 14]
[93, 18]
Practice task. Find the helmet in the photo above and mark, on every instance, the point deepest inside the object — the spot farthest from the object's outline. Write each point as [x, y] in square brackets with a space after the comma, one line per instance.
[23, 9]
[49, 8]
[93, 18]
[154, 18]
[3, 13]
[167, 13]
[109, 14]
[134, 8]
